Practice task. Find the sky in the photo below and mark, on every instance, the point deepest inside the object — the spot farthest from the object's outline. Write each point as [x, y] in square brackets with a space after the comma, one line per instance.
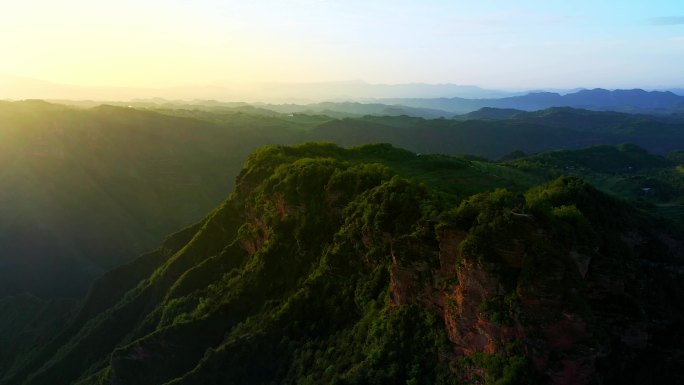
[498, 44]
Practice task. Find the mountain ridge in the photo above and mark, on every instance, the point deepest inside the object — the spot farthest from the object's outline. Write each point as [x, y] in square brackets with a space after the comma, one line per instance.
[327, 265]
[635, 100]
[149, 171]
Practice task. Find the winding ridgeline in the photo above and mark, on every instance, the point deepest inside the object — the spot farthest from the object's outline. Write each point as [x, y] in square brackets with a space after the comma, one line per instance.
[373, 265]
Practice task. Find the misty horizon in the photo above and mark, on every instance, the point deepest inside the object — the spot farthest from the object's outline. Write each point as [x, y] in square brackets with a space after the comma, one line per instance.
[19, 88]
[508, 46]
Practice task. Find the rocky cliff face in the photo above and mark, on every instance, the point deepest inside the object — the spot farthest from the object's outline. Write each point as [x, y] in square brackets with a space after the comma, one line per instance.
[530, 292]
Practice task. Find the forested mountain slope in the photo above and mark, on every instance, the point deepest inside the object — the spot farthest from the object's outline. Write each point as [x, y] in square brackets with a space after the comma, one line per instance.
[552, 129]
[328, 265]
[83, 190]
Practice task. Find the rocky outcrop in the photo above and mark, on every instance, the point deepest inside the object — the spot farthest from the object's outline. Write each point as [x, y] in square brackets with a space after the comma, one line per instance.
[583, 311]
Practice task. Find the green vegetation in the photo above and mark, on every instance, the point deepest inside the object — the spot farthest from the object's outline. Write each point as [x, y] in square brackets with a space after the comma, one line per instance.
[85, 190]
[324, 264]
[149, 170]
[651, 182]
[331, 265]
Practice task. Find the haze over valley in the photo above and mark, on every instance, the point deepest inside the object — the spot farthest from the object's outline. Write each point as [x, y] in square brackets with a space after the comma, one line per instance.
[207, 193]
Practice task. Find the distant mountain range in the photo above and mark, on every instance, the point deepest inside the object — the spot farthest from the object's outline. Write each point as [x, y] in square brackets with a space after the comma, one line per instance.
[432, 100]
[13, 87]
[632, 101]
[626, 101]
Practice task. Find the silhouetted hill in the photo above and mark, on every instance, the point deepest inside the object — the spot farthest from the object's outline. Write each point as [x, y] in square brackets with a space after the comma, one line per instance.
[637, 101]
[530, 132]
[636, 98]
[490, 113]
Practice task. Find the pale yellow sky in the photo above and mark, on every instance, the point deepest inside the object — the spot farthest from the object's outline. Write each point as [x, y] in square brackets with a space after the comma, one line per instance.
[496, 44]
[127, 43]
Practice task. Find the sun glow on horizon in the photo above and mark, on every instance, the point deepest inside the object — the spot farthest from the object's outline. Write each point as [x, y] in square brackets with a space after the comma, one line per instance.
[499, 44]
